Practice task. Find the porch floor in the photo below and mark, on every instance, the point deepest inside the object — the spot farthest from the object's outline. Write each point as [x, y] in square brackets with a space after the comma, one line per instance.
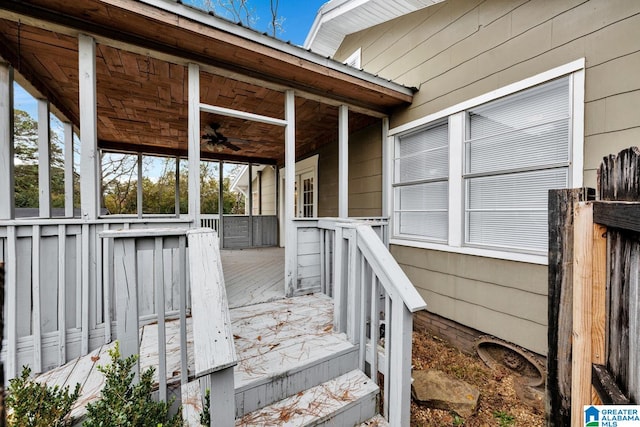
[271, 339]
[253, 276]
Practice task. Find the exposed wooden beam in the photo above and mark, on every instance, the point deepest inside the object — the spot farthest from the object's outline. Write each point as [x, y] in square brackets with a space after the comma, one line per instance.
[177, 152]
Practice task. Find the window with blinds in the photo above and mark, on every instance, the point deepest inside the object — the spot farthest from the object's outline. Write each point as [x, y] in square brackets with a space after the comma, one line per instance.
[421, 183]
[516, 149]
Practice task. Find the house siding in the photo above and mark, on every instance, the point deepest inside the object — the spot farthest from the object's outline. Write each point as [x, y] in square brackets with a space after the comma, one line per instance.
[365, 175]
[460, 49]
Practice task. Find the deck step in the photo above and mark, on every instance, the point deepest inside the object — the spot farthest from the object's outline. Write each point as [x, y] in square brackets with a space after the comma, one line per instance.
[347, 400]
[377, 421]
[286, 347]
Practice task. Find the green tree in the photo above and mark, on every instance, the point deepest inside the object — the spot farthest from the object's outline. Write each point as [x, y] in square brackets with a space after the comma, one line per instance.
[27, 163]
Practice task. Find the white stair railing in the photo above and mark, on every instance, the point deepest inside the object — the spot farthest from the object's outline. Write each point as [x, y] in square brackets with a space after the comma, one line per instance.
[374, 302]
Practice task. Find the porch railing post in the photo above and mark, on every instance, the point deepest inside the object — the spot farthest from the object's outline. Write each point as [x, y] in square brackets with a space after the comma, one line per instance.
[339, 301]
[44, 159]
[7, 208]
[194, 144]
[291, 236]
[127, 298]
[399, 364]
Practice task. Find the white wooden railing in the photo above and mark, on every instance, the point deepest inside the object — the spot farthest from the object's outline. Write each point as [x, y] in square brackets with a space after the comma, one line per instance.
[211, 221]
[370, 290]
[214, 348]
[60, 287]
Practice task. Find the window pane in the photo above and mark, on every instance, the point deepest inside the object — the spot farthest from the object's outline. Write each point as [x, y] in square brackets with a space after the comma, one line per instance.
[423, 155]
[537, 146]
[425, 197]
[510, 211]
[424, 224]
[541, 104]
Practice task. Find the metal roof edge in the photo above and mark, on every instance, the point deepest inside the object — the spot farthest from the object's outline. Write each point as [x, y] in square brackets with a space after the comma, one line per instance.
[214, 21]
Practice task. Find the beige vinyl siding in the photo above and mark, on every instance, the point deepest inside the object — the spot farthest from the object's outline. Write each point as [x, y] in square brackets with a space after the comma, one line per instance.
[365, 175]
[465, 288]
[460, 49]
[268, 191]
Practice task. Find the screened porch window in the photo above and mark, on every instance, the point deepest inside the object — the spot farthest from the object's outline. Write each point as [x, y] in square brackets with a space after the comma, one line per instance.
[516, 149]
[421, 183]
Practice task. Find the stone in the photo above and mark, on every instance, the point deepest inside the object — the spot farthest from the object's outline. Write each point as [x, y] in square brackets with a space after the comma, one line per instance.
[437, 390]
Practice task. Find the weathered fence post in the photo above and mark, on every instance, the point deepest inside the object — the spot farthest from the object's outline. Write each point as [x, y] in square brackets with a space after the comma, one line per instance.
[560, 309]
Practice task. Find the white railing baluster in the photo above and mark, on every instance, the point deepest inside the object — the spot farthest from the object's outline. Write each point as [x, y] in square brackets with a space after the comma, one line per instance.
[158, 269]
[399, 363]
[340, 306]
[79, 275]
[107, 284]
[387, 350]
[35, 296]
[374, 327]
[352, 291]
[362, 285]
[86, 262]
[323, 262]
[182, 261]
[12, 303]
[62, 294]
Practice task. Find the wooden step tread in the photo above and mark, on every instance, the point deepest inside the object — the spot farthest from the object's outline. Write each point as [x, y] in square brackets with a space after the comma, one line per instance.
[377, 421]
[319, 404]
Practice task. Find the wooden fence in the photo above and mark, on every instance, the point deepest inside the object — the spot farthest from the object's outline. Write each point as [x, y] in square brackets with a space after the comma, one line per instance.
[594, 296]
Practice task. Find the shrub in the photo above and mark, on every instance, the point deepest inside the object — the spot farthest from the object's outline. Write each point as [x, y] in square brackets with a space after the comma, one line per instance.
[32, 404]
[125, 404]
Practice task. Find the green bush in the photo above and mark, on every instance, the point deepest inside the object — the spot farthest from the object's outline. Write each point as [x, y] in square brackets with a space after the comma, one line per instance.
[124, 404]
[32, 404]
[205, 419]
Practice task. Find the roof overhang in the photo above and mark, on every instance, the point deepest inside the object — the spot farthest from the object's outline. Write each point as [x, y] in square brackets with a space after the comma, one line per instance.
[339, 18]
[143, 49]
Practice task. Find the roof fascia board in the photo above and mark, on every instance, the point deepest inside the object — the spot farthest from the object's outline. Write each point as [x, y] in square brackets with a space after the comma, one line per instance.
[221, 24]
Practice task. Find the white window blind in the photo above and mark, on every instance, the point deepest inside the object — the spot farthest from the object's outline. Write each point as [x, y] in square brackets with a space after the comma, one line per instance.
[421, 183]
[517, 148]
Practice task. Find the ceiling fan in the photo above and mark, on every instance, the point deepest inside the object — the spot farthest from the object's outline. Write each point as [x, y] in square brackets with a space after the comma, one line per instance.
[215, 139]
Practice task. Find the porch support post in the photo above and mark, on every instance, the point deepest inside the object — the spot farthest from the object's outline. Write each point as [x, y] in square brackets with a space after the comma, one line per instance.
[221, 203]
[139, 187]
[7, 209]
[387, 155]
[194, 144]
[177, 201]
[68, 169]
[44, 160]
[250, 191]
[343, 162]
[89, 183]
[291, 235]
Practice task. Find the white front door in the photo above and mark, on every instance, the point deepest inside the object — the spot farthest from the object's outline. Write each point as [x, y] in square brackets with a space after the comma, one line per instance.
[306, 192]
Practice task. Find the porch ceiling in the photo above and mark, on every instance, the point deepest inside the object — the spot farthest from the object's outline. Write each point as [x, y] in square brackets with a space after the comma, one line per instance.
[141, 58]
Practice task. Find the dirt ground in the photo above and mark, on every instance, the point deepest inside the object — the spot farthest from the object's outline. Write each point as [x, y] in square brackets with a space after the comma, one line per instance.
[498, 405]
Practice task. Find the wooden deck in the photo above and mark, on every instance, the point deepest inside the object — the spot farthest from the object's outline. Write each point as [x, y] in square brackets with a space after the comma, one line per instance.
[271, 339]
[253, 276]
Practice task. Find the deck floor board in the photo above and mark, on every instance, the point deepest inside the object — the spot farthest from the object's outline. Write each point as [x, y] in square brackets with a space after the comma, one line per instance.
[273, 335]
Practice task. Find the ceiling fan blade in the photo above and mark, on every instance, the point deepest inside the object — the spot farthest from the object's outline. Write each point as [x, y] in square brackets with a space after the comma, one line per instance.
[228, 144]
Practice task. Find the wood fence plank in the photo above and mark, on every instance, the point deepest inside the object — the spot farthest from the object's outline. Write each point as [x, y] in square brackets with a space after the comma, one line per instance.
[560, 305]
[599, 294]
[623, 215]
[582, 321]
[606, 387]
[634, 320]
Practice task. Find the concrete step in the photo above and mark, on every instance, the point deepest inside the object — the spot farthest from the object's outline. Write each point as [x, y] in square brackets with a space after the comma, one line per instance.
[347, 400]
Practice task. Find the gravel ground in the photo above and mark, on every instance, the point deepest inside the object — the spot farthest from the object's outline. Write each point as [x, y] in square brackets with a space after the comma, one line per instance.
[499, 404]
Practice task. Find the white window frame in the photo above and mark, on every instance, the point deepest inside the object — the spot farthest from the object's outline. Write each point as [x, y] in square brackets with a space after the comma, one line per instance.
[457, 117]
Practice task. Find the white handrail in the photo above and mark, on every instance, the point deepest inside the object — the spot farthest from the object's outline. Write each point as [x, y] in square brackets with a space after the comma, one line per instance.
[387, 269]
